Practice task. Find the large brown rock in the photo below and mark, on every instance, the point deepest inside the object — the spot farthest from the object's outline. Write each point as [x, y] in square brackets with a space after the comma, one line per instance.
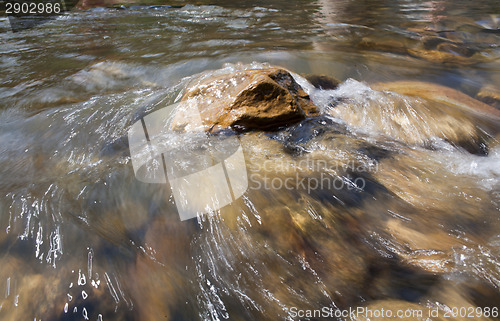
[417, 113]
[442, 94]
[249, 99]
[439, 111]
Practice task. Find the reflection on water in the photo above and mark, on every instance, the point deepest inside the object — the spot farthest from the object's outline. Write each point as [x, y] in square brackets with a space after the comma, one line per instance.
[406, 216]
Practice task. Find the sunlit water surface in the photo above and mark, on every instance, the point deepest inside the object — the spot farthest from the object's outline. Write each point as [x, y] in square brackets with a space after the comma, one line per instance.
[413, 222]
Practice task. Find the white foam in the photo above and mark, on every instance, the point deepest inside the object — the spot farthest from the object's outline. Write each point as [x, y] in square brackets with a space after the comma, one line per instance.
[486, 169]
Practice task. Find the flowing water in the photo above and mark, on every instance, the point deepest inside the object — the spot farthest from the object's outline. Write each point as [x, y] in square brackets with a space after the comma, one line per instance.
[392, 201]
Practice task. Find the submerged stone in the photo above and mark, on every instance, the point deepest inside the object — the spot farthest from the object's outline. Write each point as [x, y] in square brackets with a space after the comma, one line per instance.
[489, 95]
[166, 264]
[455, 49]
[431, 42]
[323, 82]
[446, 57]
[384, 44]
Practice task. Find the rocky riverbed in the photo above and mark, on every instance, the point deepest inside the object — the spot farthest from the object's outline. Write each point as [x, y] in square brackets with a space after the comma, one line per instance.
[370, 150]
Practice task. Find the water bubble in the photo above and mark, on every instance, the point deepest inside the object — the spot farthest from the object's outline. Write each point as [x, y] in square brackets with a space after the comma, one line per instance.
[95, 283]
[81, 278]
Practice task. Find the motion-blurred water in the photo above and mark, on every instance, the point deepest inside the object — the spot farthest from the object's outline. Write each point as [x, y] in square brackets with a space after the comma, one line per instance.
[81, 238]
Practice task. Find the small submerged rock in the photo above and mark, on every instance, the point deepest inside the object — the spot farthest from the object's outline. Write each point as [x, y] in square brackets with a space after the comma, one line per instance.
[323, 81]
[443, 49]
[447, 52]
[489, 95]
[385, 44]
[250, 99]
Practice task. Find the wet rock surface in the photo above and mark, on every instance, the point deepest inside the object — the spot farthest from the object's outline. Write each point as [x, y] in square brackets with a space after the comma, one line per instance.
[417, 114]
[250, 99]
[439, 93]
